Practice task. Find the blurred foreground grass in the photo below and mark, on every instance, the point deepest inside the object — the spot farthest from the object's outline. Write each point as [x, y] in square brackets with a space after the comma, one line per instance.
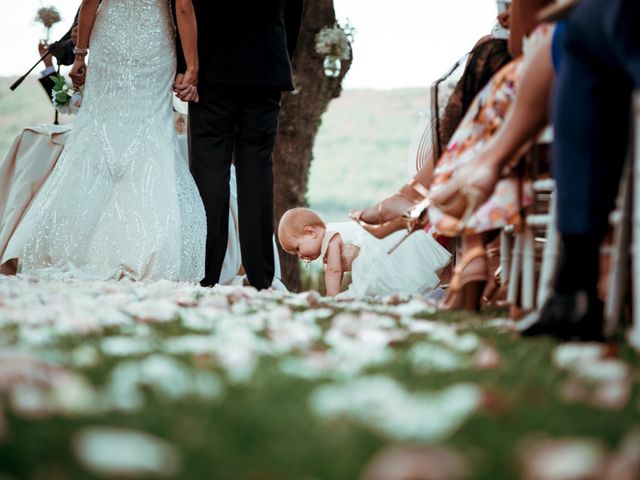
[263, 424]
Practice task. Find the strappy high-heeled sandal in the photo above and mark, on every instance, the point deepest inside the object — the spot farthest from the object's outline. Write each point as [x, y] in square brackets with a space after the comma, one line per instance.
[493, 275]
[465, 289]
[464, 194]
[412, 220]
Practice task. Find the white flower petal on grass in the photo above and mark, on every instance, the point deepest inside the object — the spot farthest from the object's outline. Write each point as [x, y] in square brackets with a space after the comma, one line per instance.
[153, 310]
[164, 375]
[202, 319]
[412, 308]
[429, 357]
[570, 354]
[610, 377]
[313, 315]
[382, 404]
[290, 335]
[126, 346]
[486, 358]
[562, 459]
[447, 335]
[416, 462]
[613, 395]
[419, 326]
[116, 452]
[29, 401]
[607, 370]
[190, 344]
[36, 336]
[74, 395]
[505, 324]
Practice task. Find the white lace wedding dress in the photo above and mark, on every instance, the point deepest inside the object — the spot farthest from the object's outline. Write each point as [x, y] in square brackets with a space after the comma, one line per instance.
[121, 202]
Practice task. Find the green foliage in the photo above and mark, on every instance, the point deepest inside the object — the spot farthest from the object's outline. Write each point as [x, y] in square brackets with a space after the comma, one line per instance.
[360, 154]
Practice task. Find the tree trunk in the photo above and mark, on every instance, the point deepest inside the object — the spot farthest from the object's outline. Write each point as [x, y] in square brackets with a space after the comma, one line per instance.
[299, 122]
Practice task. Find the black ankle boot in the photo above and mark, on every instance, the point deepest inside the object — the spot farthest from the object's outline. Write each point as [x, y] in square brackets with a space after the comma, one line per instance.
[573, 316]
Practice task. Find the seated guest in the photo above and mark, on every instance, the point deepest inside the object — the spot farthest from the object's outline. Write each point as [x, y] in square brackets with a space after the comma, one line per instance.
[493, 108]
[488, 56]
[598, 70]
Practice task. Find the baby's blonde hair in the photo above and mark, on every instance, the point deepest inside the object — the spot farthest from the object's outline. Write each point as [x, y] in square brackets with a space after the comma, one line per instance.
[293, 223]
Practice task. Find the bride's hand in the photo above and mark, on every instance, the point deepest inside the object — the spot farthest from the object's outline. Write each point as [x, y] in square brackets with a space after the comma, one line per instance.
[186, 87]
[78, 72]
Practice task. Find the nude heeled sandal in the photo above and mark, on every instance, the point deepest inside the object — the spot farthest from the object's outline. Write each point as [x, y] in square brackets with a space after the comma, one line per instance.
[465, 289]
[464, 194]
[412, 220]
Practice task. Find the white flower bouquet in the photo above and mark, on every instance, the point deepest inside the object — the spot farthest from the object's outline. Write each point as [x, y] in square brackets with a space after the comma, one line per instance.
[48, 17]
[335, 41]
[65, 99]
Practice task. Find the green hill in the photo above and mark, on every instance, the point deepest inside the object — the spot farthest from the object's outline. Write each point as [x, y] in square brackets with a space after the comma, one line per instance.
[359, 157]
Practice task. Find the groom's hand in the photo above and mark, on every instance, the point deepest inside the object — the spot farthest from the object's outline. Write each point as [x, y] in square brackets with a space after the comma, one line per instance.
[185, 87]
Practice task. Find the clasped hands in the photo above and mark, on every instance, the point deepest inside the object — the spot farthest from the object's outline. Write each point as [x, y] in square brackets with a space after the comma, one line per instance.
[186, 86]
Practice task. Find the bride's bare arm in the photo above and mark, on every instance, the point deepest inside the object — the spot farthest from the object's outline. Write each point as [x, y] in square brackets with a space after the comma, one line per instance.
[86, 18]
[188, 30]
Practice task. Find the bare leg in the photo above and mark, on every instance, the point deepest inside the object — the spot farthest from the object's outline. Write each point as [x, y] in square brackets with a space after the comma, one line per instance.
[475, 182]
[527, 117]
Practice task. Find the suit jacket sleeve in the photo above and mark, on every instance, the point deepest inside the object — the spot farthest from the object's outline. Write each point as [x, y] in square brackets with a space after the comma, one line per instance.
[292, 22]
[47, 84]
[68, 57]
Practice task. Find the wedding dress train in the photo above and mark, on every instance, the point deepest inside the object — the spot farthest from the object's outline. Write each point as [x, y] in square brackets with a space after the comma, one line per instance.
[121, 202]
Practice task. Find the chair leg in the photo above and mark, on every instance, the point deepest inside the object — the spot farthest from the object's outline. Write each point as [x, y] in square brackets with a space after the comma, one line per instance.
[619, 270]
[634, 333]
[549, 256]
[514, 274]
[505, 257]
[528, 268]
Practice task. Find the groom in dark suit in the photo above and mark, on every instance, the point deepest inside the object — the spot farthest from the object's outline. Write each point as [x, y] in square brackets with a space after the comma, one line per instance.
[245, 49]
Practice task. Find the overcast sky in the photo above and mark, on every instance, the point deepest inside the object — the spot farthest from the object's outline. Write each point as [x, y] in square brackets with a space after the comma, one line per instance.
[399, 43]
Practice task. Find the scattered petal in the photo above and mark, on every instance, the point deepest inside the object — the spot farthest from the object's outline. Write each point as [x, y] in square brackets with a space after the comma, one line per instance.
[115, 452]
[383, 404]
[562, 459]
[486, 358]
[416, 463]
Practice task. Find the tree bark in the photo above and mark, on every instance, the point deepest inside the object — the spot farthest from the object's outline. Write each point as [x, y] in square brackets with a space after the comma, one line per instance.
[299, 121]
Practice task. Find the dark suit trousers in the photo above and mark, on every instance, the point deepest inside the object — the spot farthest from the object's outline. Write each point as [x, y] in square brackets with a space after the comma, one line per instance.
[599, 69]
[236, 123]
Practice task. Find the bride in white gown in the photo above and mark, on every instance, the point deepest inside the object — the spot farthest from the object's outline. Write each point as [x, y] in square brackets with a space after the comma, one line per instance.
[121, 202]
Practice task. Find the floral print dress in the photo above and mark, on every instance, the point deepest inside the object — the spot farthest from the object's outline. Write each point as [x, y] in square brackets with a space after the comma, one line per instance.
[483, 119]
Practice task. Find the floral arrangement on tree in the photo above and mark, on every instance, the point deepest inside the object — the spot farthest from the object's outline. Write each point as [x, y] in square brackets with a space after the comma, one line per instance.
[335, 41]
[65, 99]
[335, 44]
[48, 16]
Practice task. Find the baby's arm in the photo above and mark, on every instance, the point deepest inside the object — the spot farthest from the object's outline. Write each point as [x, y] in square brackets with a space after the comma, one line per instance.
[333, 273]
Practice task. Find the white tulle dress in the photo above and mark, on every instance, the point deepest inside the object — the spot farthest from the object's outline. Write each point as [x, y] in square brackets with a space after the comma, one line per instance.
[121, 202]
[411, 268]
